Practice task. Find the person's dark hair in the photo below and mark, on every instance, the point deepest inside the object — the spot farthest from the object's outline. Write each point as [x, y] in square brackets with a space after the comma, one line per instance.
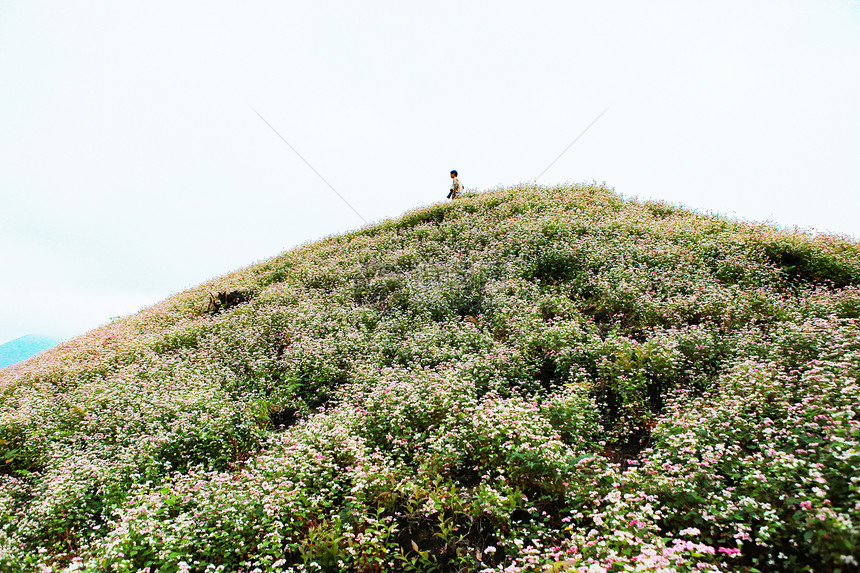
[454, 171]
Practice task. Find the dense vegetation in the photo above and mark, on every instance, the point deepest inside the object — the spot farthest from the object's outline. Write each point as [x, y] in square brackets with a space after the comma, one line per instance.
[525, 379]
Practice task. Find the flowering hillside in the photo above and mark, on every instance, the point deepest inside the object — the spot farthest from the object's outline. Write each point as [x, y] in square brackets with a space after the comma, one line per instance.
[527, 379]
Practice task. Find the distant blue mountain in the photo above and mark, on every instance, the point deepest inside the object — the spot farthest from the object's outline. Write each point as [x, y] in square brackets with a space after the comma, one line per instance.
[23, 348]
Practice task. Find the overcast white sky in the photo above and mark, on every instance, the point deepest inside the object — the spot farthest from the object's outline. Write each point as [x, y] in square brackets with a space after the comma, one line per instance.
[133, 165]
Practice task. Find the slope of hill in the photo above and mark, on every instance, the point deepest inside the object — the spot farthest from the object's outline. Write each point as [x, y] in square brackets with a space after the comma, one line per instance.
[23, 348]
[523, 379]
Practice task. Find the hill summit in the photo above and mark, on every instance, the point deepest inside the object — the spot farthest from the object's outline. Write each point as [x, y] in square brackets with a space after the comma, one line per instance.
[524, 379]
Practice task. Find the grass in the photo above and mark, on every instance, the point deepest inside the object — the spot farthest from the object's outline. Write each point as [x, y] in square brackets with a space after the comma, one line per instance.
[525, 379]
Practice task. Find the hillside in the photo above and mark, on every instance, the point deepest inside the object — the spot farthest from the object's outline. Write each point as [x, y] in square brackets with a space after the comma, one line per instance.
[522, 379]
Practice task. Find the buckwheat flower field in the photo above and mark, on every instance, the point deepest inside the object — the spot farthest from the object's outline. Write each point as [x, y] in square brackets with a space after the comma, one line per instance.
[526, 379]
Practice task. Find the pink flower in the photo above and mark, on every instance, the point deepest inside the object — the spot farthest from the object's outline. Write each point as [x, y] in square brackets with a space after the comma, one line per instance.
[729, 550]
[806, 504]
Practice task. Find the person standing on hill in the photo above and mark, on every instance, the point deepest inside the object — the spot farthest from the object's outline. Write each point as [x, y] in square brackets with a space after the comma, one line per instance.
[455, 186]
